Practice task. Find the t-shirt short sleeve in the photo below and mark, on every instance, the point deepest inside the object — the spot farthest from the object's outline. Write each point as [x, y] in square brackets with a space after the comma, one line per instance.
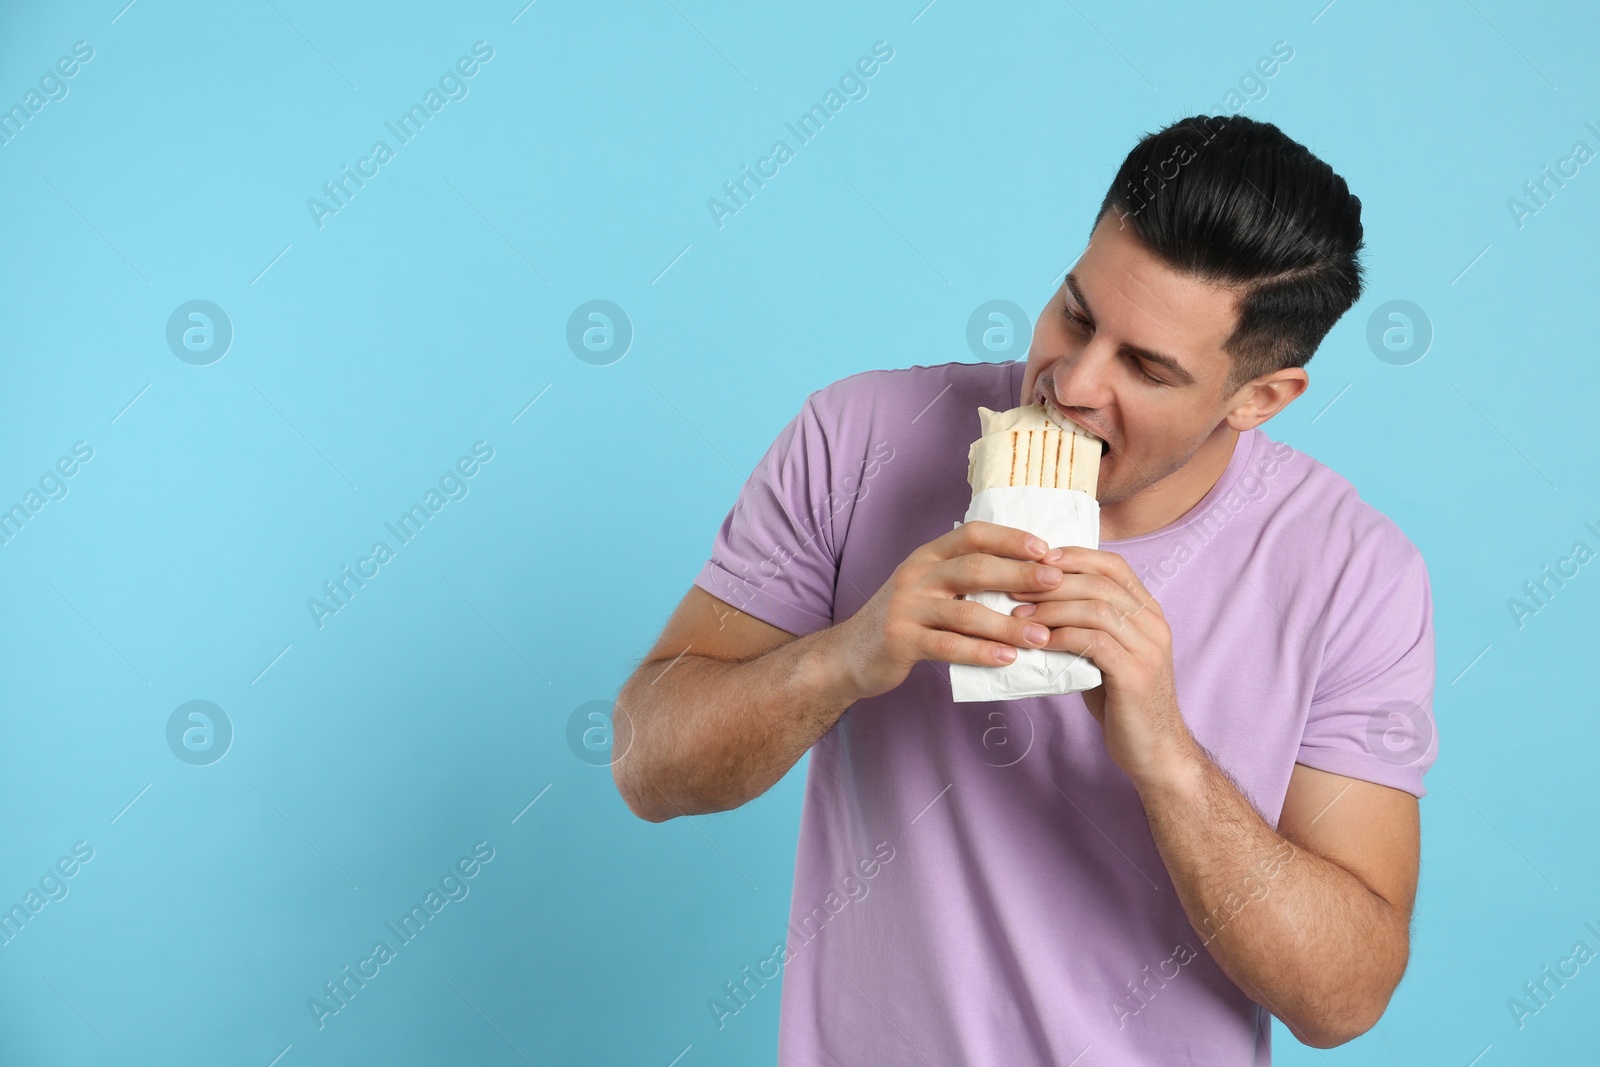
[774, 556]
[1371, 712]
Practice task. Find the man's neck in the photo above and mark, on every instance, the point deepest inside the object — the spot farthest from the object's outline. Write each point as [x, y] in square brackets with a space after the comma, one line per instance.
[1174, 496]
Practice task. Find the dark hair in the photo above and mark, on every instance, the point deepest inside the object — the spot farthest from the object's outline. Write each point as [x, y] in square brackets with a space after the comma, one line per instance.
[1236, 202]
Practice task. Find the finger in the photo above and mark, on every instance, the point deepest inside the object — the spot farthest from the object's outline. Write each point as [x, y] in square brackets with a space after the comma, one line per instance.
[972, 619]
[1109, 565]
[1076, 586]
[988, 537]
[1090, 615]
[1106, 651]
[949, 647]
[977, 571]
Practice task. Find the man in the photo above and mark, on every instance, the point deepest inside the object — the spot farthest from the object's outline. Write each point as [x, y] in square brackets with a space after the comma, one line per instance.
[1138, 874]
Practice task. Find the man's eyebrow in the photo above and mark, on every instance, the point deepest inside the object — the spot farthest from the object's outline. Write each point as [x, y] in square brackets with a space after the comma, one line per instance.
[1133, 350]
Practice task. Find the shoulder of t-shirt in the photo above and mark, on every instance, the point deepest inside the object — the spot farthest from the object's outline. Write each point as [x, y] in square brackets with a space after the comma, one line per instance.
[1328, 502]
[911, 389]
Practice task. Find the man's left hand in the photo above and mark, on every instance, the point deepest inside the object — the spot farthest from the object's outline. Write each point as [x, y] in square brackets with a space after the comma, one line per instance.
[1101, 610]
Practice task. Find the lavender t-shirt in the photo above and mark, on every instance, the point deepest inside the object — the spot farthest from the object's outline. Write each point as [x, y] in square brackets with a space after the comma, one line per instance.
[977, 883]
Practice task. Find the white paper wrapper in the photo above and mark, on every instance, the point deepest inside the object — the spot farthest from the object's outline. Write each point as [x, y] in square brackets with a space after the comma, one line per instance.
[1059, 517]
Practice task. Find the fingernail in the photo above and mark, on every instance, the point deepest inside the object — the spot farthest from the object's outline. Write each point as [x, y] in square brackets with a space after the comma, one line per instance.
[1055, 554]
[1006, 654]
[1049, 575]
[1036, 546]
[1025, 610]
[1036, 634]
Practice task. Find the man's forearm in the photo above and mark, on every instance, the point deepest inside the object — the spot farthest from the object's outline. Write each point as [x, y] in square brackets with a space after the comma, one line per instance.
[1298, 933]
[699, 735]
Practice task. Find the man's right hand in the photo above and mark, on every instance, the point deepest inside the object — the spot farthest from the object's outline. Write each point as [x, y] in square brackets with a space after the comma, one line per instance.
[918, 614]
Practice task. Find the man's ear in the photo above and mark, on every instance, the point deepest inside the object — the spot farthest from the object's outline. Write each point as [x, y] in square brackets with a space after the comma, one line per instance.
[1258, 401]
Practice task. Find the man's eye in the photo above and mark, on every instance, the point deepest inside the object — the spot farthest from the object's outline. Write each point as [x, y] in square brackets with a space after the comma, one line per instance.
[1147, 376]
[1082, 324]
[1086, 325]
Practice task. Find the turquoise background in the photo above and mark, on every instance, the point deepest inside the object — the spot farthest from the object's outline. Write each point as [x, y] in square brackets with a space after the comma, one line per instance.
[371, 352]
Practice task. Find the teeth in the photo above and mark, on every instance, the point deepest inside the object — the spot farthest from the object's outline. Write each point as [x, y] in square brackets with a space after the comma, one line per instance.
[1051, 406]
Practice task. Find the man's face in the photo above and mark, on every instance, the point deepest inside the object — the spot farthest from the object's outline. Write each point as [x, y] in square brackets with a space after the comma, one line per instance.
[1133, 301]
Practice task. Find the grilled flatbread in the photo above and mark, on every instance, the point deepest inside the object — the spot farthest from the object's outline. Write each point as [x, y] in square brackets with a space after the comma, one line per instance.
[1031, 446]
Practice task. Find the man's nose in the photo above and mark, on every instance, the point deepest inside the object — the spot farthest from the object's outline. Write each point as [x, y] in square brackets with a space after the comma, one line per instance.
[1082, 379]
